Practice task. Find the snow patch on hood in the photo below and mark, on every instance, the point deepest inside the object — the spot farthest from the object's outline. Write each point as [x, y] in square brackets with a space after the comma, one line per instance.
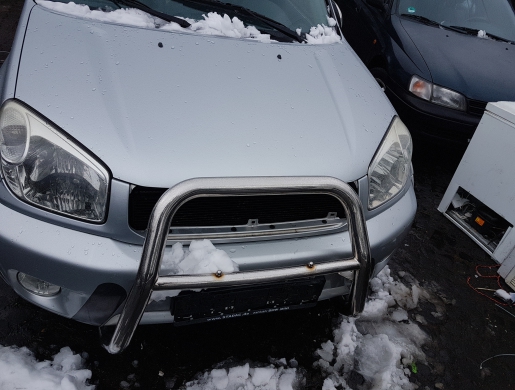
[131, 17]
[322, 35]
[216, 24]
[213, 23]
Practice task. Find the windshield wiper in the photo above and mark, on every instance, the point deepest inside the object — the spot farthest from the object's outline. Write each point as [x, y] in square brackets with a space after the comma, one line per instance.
[422, 19]
[145, 8]
[237, 9]
[475, 31]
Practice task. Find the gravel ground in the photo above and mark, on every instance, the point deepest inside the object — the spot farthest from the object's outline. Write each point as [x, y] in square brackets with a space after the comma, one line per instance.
[435, 253]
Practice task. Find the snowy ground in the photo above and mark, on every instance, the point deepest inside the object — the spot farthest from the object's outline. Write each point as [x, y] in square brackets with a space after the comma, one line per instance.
[383, 346]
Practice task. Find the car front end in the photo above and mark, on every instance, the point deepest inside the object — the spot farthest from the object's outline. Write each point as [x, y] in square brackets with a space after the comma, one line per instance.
[100, 120]
[454, 60]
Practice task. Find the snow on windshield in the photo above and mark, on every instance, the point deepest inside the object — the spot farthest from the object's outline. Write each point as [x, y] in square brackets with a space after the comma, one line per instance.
[212, 24]
[383, 345]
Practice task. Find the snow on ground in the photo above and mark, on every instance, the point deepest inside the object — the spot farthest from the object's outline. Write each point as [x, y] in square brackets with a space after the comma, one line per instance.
[275, 376]
[382, 345]
[212, 24]
[19, 369]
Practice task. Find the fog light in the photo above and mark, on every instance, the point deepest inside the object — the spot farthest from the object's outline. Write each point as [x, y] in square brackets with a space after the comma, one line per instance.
[38, 286]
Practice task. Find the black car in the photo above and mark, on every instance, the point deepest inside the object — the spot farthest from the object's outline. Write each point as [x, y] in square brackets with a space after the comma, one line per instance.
[439, 61]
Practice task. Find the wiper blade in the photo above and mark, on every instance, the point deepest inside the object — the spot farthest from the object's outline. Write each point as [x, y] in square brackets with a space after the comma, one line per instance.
[237, 9]
[475, 31]
[422, 19]
[145, 8]
[464, 30]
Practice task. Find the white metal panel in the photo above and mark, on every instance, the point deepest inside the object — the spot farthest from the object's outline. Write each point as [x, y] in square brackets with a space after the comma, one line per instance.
[487, 171]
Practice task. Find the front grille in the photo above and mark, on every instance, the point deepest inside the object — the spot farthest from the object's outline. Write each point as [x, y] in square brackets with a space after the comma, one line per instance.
[234, 210]
[476, 107]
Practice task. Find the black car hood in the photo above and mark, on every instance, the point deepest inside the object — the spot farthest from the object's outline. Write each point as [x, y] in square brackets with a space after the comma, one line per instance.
[479, 68]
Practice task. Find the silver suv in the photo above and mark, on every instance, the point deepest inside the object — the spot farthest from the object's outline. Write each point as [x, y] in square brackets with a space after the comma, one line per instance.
[129, 129]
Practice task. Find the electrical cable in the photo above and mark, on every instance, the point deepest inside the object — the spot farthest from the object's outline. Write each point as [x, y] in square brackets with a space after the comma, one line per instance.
[502, 354]
[497, 277]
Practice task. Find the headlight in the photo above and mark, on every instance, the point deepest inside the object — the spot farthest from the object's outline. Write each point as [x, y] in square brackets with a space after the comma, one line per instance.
[436, 94]
[45, 168]
[391, 166]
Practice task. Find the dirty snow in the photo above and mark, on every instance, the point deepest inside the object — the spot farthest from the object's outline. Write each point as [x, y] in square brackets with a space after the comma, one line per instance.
[19, 369]
[275, 376]
[382, 344]
[212, 24]
[200, 258]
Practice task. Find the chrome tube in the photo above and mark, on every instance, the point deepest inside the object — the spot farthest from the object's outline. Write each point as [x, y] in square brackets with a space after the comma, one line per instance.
[148, 278]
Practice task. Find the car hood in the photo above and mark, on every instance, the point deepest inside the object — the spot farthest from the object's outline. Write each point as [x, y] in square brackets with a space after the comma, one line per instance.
[161, 107]
[479, 68]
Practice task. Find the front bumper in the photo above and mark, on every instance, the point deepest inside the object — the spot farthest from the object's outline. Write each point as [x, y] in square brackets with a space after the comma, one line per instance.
[96, 273]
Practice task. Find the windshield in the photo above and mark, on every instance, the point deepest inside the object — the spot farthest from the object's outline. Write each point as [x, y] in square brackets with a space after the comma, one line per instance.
[495, 17]
[294, 14]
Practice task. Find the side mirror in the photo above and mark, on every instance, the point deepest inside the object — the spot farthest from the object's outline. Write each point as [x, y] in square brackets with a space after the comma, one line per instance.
[379, 4]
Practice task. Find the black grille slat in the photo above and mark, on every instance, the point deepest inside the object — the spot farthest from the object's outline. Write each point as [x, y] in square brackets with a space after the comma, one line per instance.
[476, 107]
[233, 210]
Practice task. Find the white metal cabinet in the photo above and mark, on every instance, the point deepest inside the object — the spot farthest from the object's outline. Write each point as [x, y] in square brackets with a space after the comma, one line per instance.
[487, 172]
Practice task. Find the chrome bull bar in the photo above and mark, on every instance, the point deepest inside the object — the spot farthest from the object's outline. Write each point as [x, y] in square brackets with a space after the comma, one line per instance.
[148, 279]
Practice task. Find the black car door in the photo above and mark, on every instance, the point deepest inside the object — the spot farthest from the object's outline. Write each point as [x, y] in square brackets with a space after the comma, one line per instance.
[363, 25]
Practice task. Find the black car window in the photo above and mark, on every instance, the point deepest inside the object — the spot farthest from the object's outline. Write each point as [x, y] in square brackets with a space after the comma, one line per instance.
[496, 17]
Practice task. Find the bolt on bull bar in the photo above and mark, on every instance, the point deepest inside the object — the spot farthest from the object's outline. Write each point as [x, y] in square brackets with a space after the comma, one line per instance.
[148, 279]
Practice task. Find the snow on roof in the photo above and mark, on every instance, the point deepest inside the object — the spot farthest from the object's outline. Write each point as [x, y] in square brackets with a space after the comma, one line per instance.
[212, 24]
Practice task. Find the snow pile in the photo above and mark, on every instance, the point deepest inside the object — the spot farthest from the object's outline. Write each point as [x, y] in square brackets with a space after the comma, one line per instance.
[19, 369]
[322, 34]
[376, 344]
[201, 258]
[131, 16]
[381, 344]
[482, 34]
[212, 24]
[216, 24]
[273, 377]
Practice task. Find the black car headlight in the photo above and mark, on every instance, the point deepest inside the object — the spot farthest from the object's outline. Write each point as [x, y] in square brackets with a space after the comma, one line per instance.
[390, 168]
[436, 94]
[45, 168]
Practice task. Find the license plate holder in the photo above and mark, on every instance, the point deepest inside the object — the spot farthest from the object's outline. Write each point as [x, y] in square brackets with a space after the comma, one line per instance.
[216, 304]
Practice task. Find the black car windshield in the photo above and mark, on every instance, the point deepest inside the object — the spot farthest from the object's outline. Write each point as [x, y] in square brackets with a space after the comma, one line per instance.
[496, 17]
[294, 14]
